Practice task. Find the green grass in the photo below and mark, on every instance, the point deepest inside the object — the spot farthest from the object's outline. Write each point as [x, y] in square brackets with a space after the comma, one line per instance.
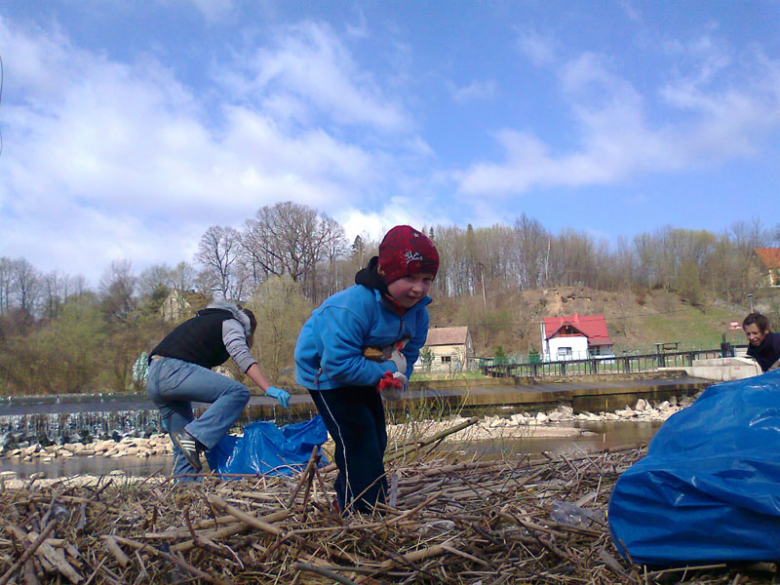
[693, 329]
[428, 376]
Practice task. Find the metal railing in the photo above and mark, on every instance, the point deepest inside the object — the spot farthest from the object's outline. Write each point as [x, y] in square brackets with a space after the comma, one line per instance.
[620, 364]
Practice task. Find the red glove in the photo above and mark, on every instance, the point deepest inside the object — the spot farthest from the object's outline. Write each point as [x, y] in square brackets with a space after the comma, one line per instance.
[388, 381]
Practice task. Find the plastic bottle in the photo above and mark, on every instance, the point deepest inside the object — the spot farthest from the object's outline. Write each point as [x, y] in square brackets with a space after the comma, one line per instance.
[568, 513]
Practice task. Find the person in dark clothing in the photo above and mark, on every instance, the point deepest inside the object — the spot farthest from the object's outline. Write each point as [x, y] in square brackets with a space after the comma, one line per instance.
[385, 312]
[764, 345]
[180, 374]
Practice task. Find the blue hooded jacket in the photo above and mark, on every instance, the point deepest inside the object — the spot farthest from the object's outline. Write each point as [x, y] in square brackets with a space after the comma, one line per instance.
[329, 352]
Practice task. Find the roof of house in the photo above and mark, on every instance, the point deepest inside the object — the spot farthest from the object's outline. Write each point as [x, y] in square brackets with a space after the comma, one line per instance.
[770, 257]
[594, 327]
[447, 336]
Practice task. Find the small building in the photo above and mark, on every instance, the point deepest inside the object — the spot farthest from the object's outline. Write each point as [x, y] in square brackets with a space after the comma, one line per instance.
[176, 307]
[769, 260]
[449, 349]
[575, 338]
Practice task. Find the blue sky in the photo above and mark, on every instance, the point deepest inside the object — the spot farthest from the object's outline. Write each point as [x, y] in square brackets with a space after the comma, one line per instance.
[127, 132]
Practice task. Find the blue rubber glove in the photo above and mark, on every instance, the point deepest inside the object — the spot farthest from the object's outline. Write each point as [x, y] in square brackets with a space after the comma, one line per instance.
[283, 396]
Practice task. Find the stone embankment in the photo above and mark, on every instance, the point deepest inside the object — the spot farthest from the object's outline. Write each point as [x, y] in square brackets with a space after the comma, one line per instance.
[127, 447]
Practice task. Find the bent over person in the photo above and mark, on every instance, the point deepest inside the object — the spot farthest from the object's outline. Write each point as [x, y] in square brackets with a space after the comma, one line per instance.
[180, 374]
[764, 345]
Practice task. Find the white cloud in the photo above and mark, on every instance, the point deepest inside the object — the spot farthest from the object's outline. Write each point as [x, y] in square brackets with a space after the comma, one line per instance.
[617, 139]
[358, 30]
[310, 64]
[631, 11]
[539, 49]
[397, 211]
[106, 160]
[476, 90]
[213, 10]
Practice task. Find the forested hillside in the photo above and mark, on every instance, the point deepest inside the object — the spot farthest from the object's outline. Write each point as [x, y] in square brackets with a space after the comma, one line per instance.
[59, 334]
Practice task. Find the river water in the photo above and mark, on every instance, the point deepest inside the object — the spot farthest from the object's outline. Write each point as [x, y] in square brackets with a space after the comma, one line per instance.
[601, 435]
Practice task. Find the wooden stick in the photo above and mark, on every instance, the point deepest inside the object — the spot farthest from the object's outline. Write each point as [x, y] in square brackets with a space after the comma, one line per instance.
[419, 444]
[179, 562]
[28, 553]
[304, 476]
[324, 572]
[253, 521]
[118, 553]
[418, 555]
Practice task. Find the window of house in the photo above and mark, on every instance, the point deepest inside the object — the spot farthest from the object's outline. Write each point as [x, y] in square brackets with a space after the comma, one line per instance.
[564, 352]
[446, 359]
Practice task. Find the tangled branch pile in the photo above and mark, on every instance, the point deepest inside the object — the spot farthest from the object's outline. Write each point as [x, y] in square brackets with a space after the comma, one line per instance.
[487, 522]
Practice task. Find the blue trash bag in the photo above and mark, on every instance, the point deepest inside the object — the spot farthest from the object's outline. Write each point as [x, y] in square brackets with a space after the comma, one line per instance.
[269, 450]
[709, 488]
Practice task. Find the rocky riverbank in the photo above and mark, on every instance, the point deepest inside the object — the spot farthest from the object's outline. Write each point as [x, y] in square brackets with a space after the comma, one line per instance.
[557, 423]
[125, 447]
[560, 422]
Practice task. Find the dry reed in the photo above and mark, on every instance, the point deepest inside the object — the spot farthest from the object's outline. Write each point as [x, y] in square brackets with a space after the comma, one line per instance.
[485, 522]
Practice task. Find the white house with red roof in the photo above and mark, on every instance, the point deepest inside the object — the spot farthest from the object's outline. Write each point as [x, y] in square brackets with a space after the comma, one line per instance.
[575, 338]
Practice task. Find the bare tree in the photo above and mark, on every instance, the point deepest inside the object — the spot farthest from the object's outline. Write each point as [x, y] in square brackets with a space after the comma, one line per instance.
[6, 281]
[218, 252]
[55, 291]
[183, 277]
[572, 259]
[530, 252]
[745, 237]
[288, 238]
[26, 285]
[625, 262]
[77, 286]
[116, 289]
[453, 277]
[153, 279]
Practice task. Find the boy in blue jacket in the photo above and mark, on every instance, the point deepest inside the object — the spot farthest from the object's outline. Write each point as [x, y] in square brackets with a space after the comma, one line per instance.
[385, 307]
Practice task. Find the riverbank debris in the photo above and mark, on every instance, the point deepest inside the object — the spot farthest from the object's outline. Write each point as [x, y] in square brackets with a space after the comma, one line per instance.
[474, 521]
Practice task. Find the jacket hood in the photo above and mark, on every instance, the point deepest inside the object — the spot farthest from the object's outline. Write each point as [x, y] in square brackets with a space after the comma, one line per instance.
[237, 313]
[369, 277]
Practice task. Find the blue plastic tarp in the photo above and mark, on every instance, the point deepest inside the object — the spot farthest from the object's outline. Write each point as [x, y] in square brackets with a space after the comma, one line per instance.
[267, 449]
[709, 488]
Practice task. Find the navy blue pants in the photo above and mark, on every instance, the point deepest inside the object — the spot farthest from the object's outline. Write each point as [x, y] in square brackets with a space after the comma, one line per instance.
[355, 419]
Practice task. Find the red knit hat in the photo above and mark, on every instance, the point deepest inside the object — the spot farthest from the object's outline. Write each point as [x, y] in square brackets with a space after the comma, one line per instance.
[406, 251]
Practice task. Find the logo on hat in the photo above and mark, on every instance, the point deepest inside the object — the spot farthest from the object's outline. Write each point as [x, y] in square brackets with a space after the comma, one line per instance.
[410, 256]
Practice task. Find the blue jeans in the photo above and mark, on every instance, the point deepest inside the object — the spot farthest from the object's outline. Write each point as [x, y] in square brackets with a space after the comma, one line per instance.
[173, 385]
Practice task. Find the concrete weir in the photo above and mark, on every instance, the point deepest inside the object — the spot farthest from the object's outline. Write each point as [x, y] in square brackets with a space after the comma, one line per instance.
[723, 369]
[101, 415]
[598, 395]
[605, 393]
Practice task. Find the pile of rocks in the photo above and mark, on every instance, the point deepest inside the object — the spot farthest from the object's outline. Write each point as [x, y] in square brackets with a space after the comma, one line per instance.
[552, 424]
[129, 446]
[643, 410]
